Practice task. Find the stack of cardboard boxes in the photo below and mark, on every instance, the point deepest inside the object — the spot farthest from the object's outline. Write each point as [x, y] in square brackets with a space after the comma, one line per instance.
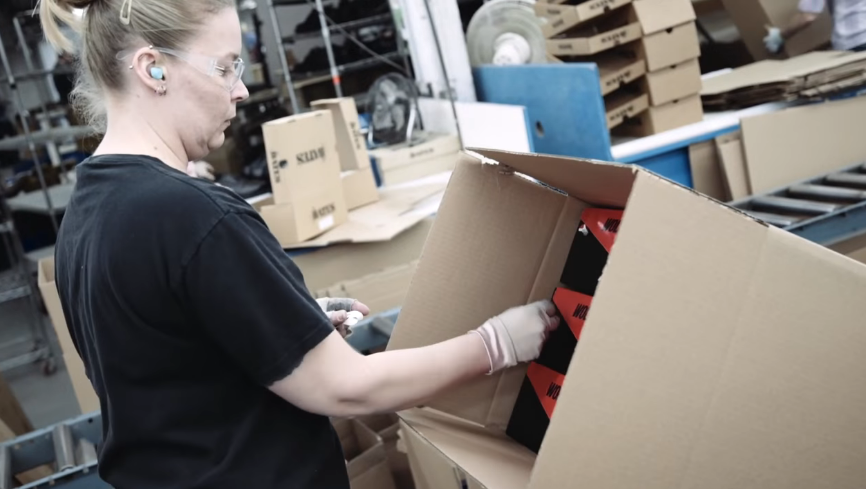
[319, 170]
[646, 52]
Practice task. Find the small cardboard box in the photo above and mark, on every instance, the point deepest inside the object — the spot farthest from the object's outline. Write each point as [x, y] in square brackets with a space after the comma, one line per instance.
[670, 47]
[617, 29]
[88, 401]
[665, 117]
[560, 18]
[351, 145]
[419, 169]
[367, 461]
[302, 156]
[616, 68]
[623, 105]
[307, 217]
[359, 187]
[717, 351]
[431, 146]
[674, 83]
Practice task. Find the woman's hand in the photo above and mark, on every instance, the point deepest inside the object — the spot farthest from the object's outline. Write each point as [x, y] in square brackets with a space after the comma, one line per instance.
[338, 309]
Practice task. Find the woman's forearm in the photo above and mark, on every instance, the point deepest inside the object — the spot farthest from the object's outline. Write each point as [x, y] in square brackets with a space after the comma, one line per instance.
[400, 379]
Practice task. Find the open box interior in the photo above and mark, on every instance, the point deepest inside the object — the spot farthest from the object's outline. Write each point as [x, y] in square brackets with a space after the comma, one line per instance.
[702, 331]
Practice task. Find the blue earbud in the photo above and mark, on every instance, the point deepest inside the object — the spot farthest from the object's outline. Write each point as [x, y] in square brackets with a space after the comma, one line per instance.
[157, 73]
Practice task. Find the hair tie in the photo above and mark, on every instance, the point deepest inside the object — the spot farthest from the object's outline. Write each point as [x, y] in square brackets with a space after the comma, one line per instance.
[126, 12]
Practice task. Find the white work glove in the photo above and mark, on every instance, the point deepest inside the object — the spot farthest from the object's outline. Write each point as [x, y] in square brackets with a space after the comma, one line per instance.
[774, 40]
[200, 169]
[517, 334]
[343, 313]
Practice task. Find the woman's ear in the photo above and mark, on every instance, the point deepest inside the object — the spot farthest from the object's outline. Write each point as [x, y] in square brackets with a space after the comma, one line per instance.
[145, 65]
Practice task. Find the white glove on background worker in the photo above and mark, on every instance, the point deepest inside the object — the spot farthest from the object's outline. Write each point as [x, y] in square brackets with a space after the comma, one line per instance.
[200, 169]
[338, 311]
[517, 334]
[774, 40]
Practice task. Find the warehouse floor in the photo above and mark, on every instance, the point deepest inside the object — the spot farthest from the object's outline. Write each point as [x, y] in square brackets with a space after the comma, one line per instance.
[45, 399]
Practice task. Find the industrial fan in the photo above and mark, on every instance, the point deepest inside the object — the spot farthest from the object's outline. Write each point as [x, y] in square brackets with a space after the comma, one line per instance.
[393, 107]
[505, 32]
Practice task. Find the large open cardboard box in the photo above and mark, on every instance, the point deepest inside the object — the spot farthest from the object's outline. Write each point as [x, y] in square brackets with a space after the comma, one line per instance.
[719, 351]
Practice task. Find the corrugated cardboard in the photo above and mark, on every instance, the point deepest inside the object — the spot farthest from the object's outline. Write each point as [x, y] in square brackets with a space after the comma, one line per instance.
[733, 162]
[387, 426]
[431, 146]
[854, 248]
[346, 262]
[350, 142]
[380, 291]
[302, 157]
[798, 143]
[624, 105]
[707, 176]
[753, 16]
[719, 352]
[419, 169]
[307, 217]
[399, 208]
[365, 453]
[560, 18]
[666, 117]
[803, 76]
[84, 393]
[359, 187]
[674, 83]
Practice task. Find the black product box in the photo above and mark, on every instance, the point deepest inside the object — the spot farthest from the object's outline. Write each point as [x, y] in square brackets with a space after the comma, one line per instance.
[544, 377]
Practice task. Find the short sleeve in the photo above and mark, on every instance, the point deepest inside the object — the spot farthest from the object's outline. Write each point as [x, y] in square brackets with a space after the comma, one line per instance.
[250, 299]
[812, 6]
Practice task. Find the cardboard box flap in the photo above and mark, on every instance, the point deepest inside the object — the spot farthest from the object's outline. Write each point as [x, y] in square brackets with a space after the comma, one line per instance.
[597, 183]
[398, 209]
[694, 400]
[493, 460]
[658, 15]
[500, 229]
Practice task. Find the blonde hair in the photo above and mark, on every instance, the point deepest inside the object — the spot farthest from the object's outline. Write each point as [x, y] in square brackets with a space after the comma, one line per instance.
[104, 34]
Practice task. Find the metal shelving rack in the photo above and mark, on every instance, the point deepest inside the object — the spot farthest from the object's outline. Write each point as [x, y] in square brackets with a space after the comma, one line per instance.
[20, 281]
[335, 71]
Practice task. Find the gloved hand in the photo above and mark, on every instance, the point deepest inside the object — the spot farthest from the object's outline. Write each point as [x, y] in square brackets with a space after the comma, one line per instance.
[774, 40]
[337, 310]
[518, 334]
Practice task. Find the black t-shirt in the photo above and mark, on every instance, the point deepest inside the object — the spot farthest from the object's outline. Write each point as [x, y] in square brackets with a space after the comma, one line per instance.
[185, 308]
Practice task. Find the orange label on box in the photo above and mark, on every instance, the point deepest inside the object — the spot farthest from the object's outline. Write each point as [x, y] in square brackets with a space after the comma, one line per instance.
[574, 308]
[547, 384]
[603, 224]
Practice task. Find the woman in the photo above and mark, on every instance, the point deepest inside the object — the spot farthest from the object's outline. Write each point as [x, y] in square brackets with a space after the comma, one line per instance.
[214, 366]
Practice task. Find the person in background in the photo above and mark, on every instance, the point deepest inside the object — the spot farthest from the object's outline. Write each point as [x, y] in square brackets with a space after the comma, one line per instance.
[214, 366]
[849, 24]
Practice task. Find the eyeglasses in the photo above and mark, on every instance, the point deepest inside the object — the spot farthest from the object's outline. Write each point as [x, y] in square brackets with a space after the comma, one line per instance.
[210, 66]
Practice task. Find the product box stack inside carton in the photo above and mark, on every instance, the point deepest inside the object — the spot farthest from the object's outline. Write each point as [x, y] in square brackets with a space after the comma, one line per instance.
[646, 52]
[700, 347]
[304, 167]
[359, 184]
[429, 154]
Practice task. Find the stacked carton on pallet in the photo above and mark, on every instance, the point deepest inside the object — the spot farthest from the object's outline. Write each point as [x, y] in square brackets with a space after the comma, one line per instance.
[646, 52]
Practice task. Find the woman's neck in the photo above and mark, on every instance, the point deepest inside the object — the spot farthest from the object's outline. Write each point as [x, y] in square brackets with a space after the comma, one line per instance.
[133, 134]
